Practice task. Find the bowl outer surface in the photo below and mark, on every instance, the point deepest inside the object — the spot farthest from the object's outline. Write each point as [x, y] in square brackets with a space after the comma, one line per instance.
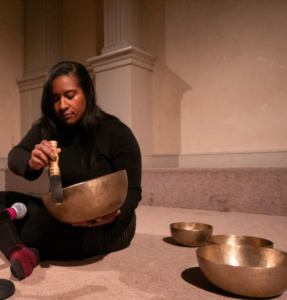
[90, 199]
[190, 234]
[239, 240]
[258, 282]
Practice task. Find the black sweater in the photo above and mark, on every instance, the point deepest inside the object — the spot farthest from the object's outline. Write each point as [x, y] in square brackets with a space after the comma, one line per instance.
[117, 150]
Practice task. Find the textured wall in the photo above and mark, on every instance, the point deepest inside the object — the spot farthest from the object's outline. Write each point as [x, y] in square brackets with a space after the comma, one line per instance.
[11, 66]
[246, 190]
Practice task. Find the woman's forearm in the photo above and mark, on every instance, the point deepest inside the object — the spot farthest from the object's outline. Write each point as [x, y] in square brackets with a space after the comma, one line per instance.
[18, 160]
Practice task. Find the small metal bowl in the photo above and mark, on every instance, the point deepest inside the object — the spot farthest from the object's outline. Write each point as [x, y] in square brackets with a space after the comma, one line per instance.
[239, 240]
[244, 270]
[190, 234]
[91, 199]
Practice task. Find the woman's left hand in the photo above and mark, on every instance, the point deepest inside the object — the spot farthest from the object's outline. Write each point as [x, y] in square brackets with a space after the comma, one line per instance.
[100, 221]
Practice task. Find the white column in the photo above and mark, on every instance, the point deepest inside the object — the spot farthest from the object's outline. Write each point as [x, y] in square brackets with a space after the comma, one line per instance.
[122, 24]
[43, 35]
[123, 73]
[43, 49]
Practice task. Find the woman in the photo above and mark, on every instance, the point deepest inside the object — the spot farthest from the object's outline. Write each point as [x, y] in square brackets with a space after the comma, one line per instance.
[91, 144]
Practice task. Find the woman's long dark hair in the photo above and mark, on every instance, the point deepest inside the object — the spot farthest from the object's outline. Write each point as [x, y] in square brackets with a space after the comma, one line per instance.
[92, 118]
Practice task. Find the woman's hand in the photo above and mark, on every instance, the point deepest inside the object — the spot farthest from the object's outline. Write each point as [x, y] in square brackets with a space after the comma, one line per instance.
[100, 221]
[41, 155]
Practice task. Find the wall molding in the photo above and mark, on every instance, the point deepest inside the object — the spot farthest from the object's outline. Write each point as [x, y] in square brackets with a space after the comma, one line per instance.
[3, 168]
[3, 164]
[123, 57]
[32, 82]
[234, 160]
[275, 159]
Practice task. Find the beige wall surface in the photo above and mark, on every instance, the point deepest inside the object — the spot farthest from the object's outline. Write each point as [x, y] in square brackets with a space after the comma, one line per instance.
[220, 76]
[11, 66]
[218, 81]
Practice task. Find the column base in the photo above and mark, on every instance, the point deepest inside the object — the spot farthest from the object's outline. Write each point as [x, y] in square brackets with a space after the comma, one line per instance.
[123, 81]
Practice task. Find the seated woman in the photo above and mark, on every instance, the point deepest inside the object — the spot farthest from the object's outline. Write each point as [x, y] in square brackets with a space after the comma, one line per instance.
[91, 143]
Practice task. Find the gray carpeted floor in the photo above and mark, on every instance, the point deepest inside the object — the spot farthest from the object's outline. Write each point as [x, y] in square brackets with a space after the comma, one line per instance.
[153, 267]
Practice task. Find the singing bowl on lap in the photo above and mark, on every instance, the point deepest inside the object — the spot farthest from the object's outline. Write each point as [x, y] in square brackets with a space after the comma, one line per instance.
[239, 240]
[91, 199]
[244, 270]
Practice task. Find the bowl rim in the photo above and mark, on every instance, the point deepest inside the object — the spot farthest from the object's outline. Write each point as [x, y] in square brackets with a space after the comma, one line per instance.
[240, 246]
[87, 182]
[236, 235]
[208, 226]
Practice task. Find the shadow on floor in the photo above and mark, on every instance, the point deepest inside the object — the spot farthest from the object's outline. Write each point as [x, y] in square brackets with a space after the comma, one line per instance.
[76, 263]
[171, 241]
[195, 277]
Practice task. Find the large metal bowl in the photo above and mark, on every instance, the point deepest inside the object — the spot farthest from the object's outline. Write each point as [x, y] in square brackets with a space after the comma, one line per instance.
[90, 199]
[239, 240]
[244, 270]
[190, 234]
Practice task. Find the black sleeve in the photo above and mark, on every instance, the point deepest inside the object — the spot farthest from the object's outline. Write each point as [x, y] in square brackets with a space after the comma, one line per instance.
[126, 155]
[20, 155]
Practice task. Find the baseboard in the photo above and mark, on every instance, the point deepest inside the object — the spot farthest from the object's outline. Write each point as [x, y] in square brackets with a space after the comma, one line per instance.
[3, 168]
[160, 161]
[217, 160]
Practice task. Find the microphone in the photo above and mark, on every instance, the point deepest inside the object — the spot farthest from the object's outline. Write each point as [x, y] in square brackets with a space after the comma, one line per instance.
[17, 211]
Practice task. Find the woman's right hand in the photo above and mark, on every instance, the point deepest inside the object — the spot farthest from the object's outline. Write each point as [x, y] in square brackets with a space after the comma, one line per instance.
[41, 155]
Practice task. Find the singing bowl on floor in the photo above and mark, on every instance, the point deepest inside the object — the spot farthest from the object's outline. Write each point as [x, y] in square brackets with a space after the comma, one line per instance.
[190, 234]
[91, 199]
[244, 270]
[239, 240]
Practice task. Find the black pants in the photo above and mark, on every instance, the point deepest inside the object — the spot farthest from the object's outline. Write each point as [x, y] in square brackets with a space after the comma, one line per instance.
[56, 240]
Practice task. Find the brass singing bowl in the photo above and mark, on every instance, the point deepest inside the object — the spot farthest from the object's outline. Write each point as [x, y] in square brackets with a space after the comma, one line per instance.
[190, 234]
[244, 270]
[91, 199]
[239, 240]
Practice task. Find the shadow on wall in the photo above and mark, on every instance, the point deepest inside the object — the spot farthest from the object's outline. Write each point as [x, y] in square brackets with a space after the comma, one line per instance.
[168, 93]
[168, 87]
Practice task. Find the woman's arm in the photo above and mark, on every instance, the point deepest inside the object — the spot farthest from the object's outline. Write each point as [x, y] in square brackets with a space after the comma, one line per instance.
[30, 156]
[18, 159]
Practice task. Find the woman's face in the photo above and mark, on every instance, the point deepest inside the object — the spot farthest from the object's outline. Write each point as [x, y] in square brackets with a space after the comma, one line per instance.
[69, 99]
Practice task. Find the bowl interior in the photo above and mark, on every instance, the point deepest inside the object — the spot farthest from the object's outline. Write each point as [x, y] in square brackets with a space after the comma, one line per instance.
[243, 256]
[190, 226]
[239, 240]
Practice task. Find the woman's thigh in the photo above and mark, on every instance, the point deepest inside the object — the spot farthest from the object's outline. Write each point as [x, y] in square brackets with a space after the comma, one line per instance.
[60, 241]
